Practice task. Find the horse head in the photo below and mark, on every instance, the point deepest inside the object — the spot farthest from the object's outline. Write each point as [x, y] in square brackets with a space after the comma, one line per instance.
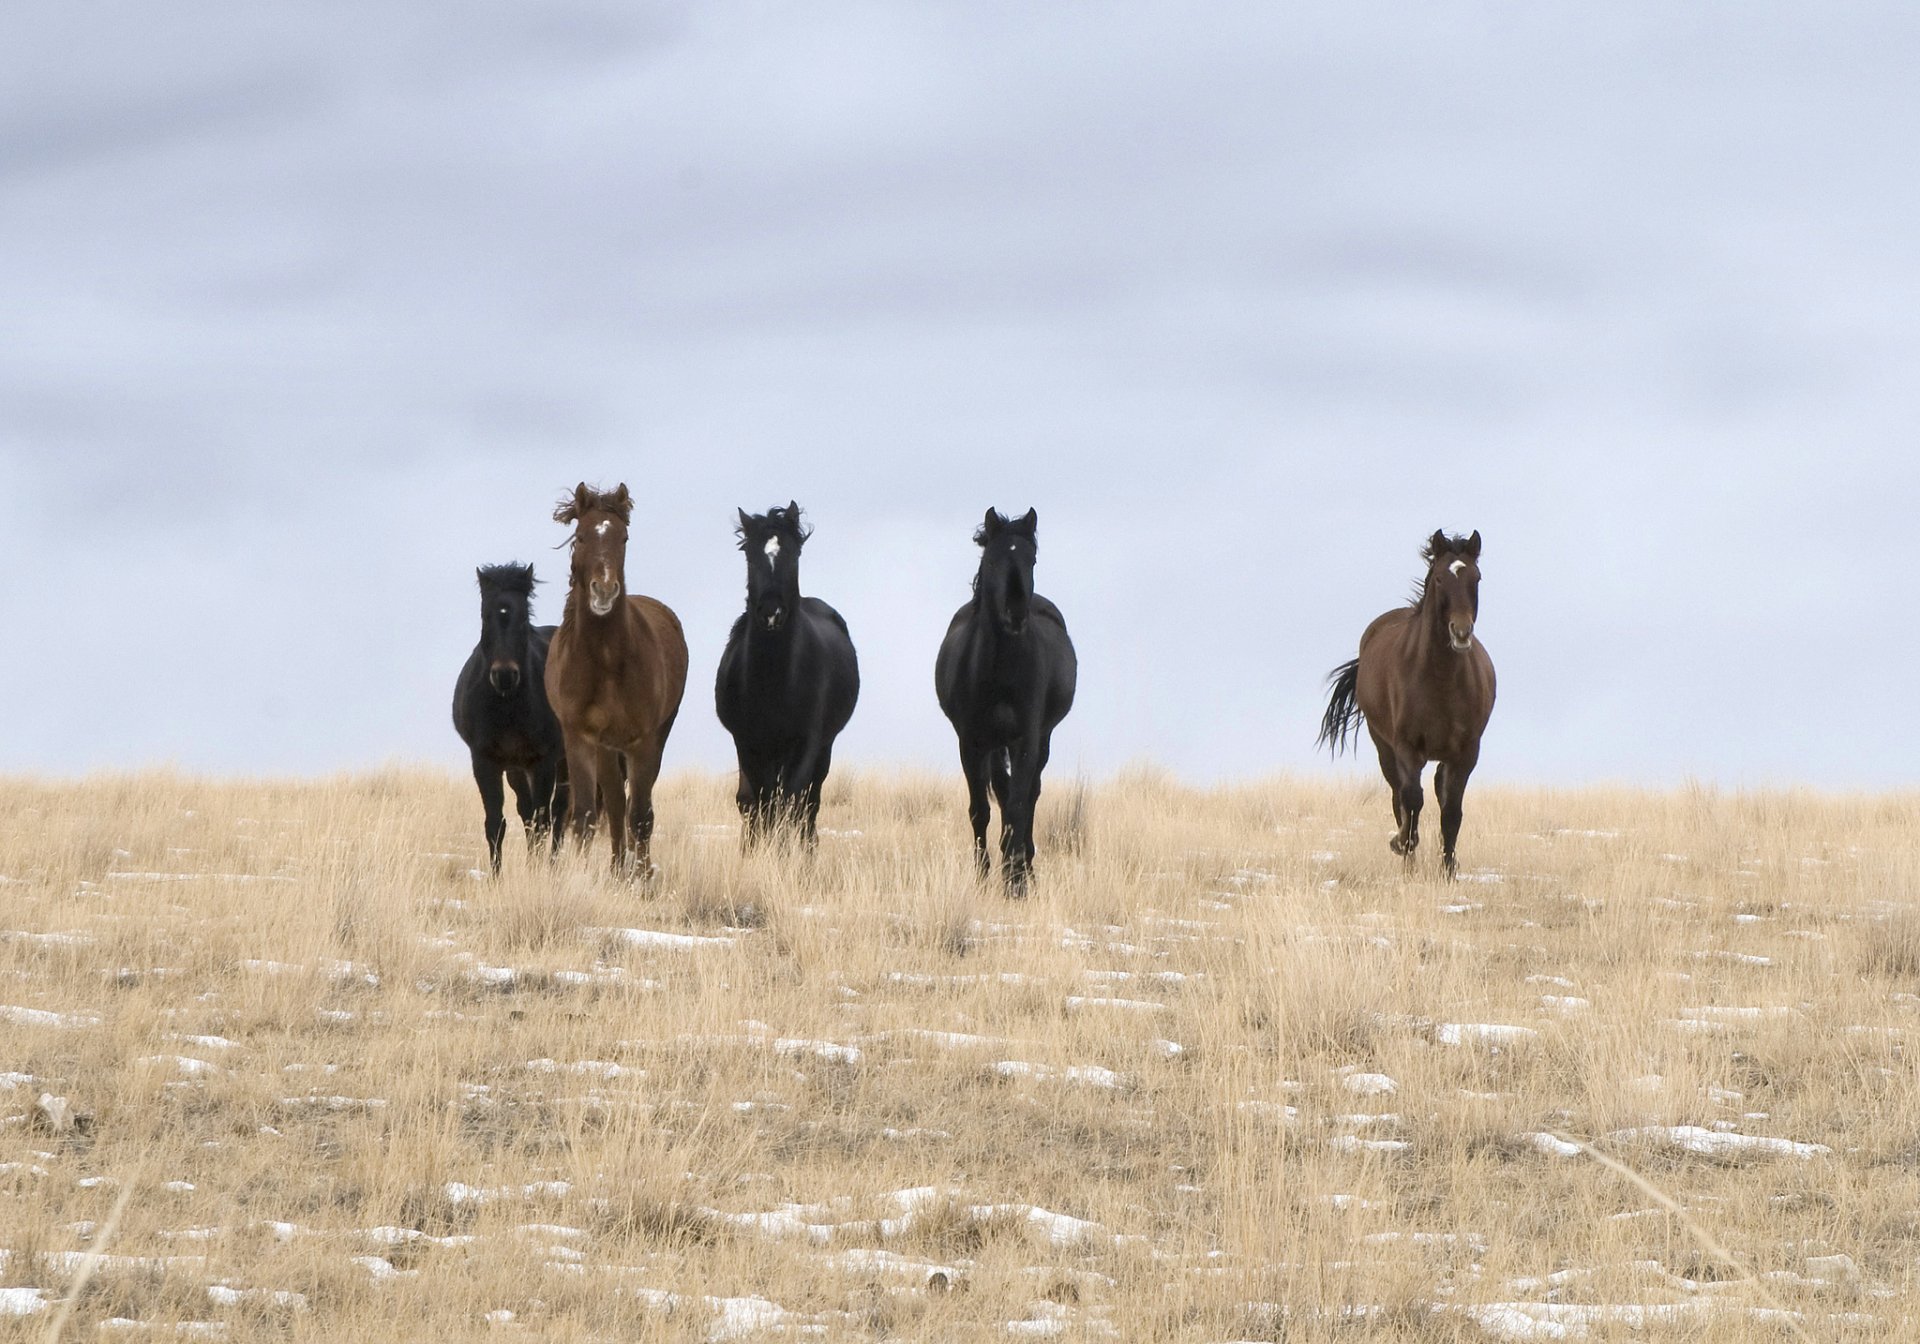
[1008, 550]
[1453, 583]
[506, 626]
[771, 541]
[599, 543]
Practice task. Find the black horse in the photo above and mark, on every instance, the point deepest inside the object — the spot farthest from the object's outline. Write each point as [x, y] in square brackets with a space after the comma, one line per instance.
[1005, 677]
[787, 683]
[500, 711]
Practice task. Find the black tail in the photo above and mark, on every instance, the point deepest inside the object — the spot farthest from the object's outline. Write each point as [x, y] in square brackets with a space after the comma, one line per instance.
[1341, 723]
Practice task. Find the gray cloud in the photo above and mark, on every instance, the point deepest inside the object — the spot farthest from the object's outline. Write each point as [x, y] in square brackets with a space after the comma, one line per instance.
[308, 311]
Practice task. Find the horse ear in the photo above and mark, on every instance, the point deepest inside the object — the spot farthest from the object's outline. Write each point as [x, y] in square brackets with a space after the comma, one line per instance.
[793, 510]
[991, 525]
[1473, 545]
[745, 519]
[569, 510]
[1437, 544]
[1027, 522]
[620, 501]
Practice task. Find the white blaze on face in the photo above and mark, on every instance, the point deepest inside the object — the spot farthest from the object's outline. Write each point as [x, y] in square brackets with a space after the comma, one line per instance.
[772, 549]
[600, 528]
[1455, 568]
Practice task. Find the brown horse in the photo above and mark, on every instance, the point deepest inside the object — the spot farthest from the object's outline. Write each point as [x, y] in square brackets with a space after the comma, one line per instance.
[1423, 684]
[615, 673]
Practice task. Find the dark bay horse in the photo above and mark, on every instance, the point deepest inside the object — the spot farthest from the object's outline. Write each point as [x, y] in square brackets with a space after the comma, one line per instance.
[1423, 685]
[615, 673]
[787, 683]
[500, 711]
[1005, 677]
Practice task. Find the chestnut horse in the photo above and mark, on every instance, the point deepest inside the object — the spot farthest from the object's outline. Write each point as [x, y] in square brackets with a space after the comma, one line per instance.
[1423, 685]
[615, 673]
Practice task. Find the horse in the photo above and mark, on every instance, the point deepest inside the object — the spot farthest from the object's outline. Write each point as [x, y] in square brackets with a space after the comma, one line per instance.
[1005, 677]
[501, 712]
[787, 683]
[1423, 685]
[615, 674]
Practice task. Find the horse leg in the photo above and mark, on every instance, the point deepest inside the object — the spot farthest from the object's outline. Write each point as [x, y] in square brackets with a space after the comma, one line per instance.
[804, 777]
[1022, 796]
[1000, 780]
[975, 764]
[493, 799]
[1390, 767]
[1450, 786]
[643, 768]
[746, 796]
[613, 803]
[544, 822]
[524, 802]
[1411, 800]
[583, 788]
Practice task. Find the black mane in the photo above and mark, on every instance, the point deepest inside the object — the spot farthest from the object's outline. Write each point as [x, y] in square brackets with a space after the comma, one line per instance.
[509, 578]
[782, 521]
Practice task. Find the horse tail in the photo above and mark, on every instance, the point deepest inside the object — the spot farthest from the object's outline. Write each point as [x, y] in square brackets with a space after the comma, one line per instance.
[1341, 723]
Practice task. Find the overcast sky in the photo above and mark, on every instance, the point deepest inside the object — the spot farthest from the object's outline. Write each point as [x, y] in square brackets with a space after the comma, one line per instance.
[306, 310]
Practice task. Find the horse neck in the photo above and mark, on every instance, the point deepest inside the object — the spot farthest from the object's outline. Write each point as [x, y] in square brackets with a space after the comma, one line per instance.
[616, 631]
[1429, 648]
[768, 652]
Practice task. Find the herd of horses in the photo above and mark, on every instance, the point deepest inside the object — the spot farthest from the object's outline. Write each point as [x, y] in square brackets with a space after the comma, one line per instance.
[574, 718]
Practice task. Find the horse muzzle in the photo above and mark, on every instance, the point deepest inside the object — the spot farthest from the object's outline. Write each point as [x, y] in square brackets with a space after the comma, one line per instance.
[600, 599]
[504, 678]
[1459, 636]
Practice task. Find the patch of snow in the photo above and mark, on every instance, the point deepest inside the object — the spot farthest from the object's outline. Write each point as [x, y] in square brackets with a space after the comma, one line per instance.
[658, 938]
[1481, 1033]
[1369, 1084]
[1714, 1143]
[40, 1017]
[1091, 1075]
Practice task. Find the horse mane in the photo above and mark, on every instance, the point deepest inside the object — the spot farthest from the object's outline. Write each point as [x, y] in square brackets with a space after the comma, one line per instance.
[586, 498]
[508, 578]
[782, 520]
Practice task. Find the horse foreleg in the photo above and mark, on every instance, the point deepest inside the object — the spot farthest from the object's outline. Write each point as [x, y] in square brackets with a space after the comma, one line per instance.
[643, 768]
[613, 802]
[1390, 768]
[493, 799]
[583, 788]
[1026, 762]
[1411, 800]
[524, 802]
[975, 764]
[803, 778]
[1450, 787]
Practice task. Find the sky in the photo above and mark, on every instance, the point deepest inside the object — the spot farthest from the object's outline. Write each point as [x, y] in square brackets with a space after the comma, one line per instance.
[308, 309]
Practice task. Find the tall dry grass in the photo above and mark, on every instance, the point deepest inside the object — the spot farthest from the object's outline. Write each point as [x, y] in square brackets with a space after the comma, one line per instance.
[367, 1095]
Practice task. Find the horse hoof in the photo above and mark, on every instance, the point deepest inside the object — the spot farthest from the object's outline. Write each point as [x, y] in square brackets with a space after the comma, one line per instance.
[1397, 845]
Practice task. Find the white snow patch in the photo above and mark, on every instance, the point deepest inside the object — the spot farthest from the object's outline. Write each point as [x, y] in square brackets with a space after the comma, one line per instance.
[1714, 1143]
[1481, 1033]
[40, 1017]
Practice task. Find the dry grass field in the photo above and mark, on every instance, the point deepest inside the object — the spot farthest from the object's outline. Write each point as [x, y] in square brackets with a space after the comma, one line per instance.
[1229, 1074]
